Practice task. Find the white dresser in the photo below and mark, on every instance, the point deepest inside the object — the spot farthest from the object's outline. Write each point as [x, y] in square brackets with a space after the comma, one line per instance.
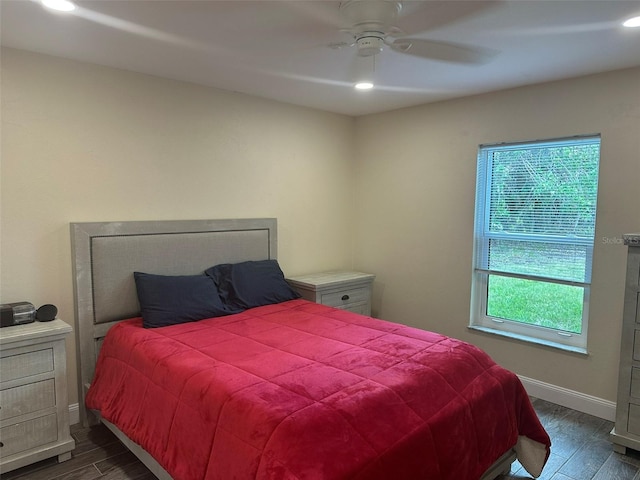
[346, 290]
[626, 433]
[34, 410]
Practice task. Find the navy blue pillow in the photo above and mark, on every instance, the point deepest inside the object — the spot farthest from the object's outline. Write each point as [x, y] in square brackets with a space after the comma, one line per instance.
[169, 300]
[251, 284]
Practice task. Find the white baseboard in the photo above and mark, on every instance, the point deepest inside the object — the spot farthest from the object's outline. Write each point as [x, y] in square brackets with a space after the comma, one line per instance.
[581, 402]
[74, 414]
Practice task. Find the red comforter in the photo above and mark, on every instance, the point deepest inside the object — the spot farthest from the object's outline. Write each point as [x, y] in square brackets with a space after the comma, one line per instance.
[299, 390]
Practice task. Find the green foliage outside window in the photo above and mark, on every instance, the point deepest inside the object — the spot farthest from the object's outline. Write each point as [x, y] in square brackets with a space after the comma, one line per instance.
[545, 191]
[535, 217]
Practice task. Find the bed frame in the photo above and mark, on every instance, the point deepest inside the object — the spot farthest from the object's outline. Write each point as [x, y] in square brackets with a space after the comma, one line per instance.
[105, 254]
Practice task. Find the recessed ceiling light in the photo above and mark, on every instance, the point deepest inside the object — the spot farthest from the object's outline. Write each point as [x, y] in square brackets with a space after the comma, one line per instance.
[632, 22]
[364, 85]
[60, 5]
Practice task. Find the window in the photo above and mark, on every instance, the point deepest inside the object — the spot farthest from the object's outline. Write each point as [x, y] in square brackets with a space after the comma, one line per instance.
[534, 233]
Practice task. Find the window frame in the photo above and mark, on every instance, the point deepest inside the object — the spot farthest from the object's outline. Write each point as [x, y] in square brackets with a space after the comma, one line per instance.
[479, 319]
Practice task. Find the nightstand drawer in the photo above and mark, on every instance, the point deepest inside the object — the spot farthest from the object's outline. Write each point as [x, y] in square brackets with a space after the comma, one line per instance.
[26, 364]
[361, 308]
[341, 289]
[26, 435]
[343, 298]
[27, 399]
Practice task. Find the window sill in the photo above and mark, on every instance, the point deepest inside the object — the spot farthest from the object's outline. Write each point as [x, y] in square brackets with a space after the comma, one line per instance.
[530, 340]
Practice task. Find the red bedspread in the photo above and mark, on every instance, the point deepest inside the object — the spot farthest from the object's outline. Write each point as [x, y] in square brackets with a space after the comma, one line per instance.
[299, 390]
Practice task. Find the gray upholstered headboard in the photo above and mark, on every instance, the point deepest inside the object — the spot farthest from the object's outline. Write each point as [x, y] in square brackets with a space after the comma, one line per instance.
[105, 255]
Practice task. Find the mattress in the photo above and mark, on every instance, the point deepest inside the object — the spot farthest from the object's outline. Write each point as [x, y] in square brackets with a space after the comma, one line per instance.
[299, 390]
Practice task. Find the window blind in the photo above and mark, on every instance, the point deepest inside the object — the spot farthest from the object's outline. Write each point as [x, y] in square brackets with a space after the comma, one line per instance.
[544, 191]
[539, 209]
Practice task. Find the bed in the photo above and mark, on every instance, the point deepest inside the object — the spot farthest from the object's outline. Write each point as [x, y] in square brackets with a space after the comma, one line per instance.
[283, 390]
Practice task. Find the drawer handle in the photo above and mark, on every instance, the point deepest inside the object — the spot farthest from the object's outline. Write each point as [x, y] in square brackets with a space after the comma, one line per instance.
[345, 297]
[1, 444]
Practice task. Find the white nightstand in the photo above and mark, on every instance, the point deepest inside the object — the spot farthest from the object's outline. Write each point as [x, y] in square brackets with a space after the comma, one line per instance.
[347, 290]
[34, 410]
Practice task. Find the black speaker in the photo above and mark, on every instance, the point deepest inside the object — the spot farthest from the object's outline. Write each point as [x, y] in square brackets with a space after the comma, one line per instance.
[46, 313]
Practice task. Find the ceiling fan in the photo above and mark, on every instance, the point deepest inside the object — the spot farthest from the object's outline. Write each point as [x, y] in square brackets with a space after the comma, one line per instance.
[373, 26]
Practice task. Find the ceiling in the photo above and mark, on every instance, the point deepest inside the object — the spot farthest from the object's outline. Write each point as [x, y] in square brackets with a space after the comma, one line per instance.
[281, 49]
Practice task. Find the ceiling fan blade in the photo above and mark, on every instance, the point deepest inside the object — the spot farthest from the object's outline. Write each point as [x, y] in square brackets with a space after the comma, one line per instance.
[421, 16]
[443, 51]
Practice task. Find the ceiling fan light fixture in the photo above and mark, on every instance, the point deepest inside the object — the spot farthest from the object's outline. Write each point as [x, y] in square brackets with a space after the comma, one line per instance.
[633, 22]
[59, 5]
[370, 44]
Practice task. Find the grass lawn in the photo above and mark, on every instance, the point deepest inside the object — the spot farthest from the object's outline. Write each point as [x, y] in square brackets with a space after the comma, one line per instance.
[538, 303]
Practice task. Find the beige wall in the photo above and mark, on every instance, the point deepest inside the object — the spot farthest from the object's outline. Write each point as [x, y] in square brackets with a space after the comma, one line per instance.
[87, 143]
[415, 189]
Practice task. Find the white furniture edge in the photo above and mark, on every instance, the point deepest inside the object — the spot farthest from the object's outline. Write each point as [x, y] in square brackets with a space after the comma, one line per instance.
[331, 278]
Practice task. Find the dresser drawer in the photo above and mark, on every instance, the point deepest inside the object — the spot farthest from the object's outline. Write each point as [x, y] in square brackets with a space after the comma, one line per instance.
[26, 435]
[635, 382]
[344, 298]
[23, 365]
[27, 399]
[636, 344]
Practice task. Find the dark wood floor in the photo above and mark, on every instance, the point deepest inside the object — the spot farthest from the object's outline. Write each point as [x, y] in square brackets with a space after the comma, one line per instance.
[580, 448]
[581, 451]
